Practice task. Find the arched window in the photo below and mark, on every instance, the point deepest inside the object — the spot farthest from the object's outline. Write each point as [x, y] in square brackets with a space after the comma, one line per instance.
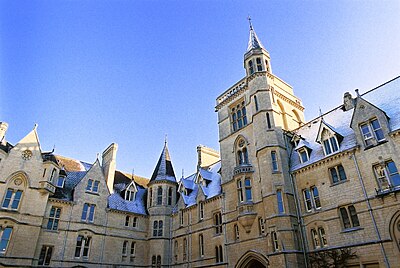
[242, 153]
[283, 114]
[153, 261]
[251, 67]
[159, 195]
[201, 245]
[266, 65]
[158, 261]
[238, 116]
[169, 196]
[259, 65]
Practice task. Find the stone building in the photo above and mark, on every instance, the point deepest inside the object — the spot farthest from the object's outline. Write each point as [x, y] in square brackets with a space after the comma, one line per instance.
[279, 191]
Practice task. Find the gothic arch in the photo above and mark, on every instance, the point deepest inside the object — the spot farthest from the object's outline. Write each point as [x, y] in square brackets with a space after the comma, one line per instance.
[298, 119]
[19, 179]
[239, 138]
[283, 115]
[394, 229]
[252, 259]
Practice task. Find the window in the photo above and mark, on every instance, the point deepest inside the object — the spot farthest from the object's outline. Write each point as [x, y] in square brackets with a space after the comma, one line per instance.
[159, 195]
[268, 121]
[275, 243]
[44, 172]
[184, 249]
[12, 197]
[169, 196]
[256, 103]
[88, 212]
[5, 234]
[54, 218]
[134, 222]
[319, 238]
[259, 64]
[45, 255]
[274, 161]
[158, 261]
[158, 228]
[387, 175]
[236, 229]
[218, 222]
[303, 154]
[330, 145]
[130, 195]
[201, 245]
[337, 174]
[60, 182]
[266, 65]
[244, 190]
[181, 218]
[280, 201]
[82, 246]
[133, 250]
[92, 186]
[372, 132]
[251, 67]
[238, 116]
[151, 197]
[311, 198]
[125, 248]
[201, 210]
[53, 173]
[242, 154]
[176, 250]
[261, 226]
[219, 254]
[349, 217]
[127, 219]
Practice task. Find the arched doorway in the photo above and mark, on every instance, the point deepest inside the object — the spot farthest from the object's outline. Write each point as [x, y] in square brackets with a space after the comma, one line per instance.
[252, 259]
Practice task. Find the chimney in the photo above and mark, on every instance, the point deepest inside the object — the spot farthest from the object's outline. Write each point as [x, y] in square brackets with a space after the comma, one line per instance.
[109, 164]
[348, 102]
[206, 156]
[3, 130]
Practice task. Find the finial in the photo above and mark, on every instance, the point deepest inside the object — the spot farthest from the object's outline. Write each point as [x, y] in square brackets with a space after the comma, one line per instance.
[54, 147]
[133, 173]
[249, 19]
[320, 112]
[358, 93]
[165, 139]
[35, 127]
[183, 172]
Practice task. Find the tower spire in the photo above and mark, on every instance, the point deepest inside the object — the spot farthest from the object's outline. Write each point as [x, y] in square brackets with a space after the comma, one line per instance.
[254, 42]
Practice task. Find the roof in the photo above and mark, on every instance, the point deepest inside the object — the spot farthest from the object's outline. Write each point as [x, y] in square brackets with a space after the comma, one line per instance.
[164, 169]
[123, 177]
[116, 200]
[254, 42]
[386, 97]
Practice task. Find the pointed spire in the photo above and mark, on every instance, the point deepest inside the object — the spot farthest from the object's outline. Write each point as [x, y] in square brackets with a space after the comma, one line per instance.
[164, 169]
[254, 42]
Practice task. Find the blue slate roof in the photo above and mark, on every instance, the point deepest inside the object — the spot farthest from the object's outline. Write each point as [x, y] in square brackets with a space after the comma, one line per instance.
[386, 97]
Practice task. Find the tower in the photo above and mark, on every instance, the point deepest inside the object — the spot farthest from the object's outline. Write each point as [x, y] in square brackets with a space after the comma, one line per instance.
[161, 198]
[253, 115]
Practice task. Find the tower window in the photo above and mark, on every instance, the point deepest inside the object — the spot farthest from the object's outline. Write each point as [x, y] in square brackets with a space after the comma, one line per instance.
[275, 243]
[201, 210]
[256, 103]
[169, 196]
[158, 228]
[279, 198]
[259, 64]
[251, 67]
[268, 121]
[159, 195]
[238, 116]
[201, 245]
[274, 161]
[5, 234]
[218, 222]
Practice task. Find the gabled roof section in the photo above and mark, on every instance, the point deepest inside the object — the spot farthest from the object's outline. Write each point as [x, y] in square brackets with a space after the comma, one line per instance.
[254, 42]
[324, 125]
[303, 144]
[164, 169]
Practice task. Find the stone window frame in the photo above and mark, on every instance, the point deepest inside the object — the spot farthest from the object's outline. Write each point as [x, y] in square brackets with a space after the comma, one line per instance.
[201, 211]
[318, 237]
[5, 237]
[219, 254]
[159, 195]
[312, 199]
[274, 162]
[12, 198]
[280, 203]
[261, 226]
[303, 152]
[158, 226]
[201, 245]
[238, 115]
[274, 241]
[92, 186]
[218, 222]
[330, 142]
[88, 212]
[348, 217]
[83, 244]
[385, 172]
[54, 218]
[236, 232]
[244, 189]
[45, 255]
[340, 174]
[369, 132]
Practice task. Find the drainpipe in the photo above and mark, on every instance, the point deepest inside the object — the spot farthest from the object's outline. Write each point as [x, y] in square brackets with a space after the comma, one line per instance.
[296, 201]
[370, 210]
[66, 234]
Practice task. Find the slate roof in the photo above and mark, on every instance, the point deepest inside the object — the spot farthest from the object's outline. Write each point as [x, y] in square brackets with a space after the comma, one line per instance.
[211, 189]
[254, 42]
[386, 97]
[164, 169]
[116, 200]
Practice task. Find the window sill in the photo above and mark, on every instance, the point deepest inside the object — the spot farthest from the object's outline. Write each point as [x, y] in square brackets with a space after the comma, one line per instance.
[381, 193]
[93, 193]
[276, 172]
[337, 183]
[52, 231]
[353, 229]
[376, 143]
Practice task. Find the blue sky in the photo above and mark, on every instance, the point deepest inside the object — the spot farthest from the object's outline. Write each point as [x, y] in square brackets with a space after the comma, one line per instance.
[95, 72]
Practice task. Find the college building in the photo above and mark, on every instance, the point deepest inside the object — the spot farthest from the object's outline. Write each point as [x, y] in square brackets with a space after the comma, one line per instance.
[280, 192]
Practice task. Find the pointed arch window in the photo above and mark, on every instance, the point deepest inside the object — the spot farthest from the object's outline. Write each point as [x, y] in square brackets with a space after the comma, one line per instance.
[259, 65]
[251, 67]
[256, 103]
[169, 196]
[201, 245]
[242, 153]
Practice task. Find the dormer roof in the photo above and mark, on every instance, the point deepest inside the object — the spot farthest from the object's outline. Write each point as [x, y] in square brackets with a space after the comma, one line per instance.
[324, 125]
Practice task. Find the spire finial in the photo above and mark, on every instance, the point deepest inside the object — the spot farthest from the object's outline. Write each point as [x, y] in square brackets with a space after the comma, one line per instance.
[183, 171]
[320, 113]
[133, 173]
[165, 139]
[249, 19]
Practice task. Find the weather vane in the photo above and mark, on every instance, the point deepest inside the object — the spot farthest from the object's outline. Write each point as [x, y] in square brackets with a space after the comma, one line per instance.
[249, 19]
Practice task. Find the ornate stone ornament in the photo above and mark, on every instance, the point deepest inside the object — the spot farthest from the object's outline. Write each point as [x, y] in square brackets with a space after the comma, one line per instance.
[27, 154]
[18, 181]
[241, 143]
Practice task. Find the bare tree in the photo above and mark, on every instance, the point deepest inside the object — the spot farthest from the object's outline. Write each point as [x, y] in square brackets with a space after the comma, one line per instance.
[334, 258]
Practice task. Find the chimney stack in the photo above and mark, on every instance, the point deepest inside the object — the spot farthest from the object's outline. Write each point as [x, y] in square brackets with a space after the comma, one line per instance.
[206, 156]
[348, 102]
[3, 130]
[109, 165]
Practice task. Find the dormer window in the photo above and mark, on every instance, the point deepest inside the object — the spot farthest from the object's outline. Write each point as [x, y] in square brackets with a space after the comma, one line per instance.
[372, 132]
[129, 195]
[238, 116]
[60, 182]
[251, 67]
[329, 141]
[303, 154]
[259, 65]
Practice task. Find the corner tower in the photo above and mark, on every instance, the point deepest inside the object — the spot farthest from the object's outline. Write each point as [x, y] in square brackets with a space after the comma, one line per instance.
[253, 116]
[161, 198]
